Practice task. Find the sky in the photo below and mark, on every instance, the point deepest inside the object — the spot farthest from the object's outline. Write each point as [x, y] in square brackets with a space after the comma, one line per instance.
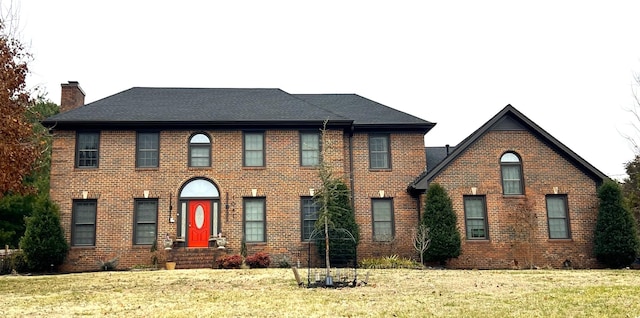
[566, 65]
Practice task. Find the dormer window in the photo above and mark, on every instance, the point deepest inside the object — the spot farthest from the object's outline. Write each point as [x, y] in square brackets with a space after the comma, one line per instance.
[511, 168]
[199, 151]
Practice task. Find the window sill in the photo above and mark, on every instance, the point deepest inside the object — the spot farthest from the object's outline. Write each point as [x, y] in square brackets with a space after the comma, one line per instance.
[560, 240]
[513, 196]
[383, 242]
[477, 241]
[380, 170]
[83, 247]
[198, 168]
[147, 168]
[85, 168]
[141, 246]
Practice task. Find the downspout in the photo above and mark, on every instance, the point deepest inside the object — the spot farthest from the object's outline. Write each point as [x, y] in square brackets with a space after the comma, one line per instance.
[418, 206]
[416, 194]
[352, 184]
[351, 178]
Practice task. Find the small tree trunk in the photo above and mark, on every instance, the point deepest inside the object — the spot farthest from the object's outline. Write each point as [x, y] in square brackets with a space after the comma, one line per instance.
[326, 246]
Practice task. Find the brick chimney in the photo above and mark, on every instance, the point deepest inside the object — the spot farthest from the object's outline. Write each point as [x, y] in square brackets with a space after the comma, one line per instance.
[72, 96]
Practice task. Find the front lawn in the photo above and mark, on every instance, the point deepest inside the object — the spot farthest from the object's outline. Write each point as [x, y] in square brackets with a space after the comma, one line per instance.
[273, 293]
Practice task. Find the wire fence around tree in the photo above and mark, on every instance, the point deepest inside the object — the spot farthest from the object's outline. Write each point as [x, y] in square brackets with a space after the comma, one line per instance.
[342, 258]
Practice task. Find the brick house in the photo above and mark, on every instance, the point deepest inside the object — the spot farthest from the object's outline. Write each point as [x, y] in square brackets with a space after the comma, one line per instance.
[522, 198]
[194, 162]
[191, 163]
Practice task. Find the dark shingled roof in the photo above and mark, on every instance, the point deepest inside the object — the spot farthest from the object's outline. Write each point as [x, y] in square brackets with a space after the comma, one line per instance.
[173, 107]
[363, 111]
[435, 155]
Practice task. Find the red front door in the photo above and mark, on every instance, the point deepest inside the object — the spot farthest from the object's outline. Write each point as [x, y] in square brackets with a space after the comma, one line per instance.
[199, 223]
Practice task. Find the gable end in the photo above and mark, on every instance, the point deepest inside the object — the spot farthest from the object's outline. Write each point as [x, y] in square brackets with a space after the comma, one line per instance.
[508, 123]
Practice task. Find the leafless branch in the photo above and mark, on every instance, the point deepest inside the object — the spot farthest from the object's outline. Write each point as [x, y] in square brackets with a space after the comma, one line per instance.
[10, 18]
[422, 240]
[634, 137]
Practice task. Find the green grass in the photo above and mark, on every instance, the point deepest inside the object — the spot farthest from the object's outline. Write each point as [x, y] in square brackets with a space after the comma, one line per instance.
[273, 293]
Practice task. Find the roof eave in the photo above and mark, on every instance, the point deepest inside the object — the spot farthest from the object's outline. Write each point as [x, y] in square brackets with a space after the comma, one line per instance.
[421, 127]
[172, 125]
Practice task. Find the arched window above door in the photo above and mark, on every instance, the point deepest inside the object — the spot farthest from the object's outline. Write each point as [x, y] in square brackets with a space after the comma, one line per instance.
[199, 188]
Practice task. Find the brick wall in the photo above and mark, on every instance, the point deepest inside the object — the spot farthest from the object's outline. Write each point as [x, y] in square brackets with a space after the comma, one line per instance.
[116, 183]
[543, 169]
[407, 162]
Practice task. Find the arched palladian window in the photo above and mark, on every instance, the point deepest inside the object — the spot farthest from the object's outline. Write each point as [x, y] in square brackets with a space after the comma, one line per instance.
[511, 168]
[199, 188]
[198, 216]
[199, 151]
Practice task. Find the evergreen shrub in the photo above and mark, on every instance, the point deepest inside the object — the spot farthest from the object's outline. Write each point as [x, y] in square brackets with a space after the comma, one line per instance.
[615, 239]
[440, 218]
[44, 244]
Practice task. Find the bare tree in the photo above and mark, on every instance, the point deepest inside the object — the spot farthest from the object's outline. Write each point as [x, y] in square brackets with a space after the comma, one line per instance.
[421, 240]
[631, 182]
[634, 137]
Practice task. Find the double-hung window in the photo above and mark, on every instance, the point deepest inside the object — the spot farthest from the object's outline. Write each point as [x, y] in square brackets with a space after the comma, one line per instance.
[557, 217]
[199, 151]
[309, 149]
[87, 149]
[382, 213]
[254, 219]
[309, 216]
[475, 214]
[511, 168]
[379, 154]
[145, 221]
[147, 150]
[253, 149]
[83, 223]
